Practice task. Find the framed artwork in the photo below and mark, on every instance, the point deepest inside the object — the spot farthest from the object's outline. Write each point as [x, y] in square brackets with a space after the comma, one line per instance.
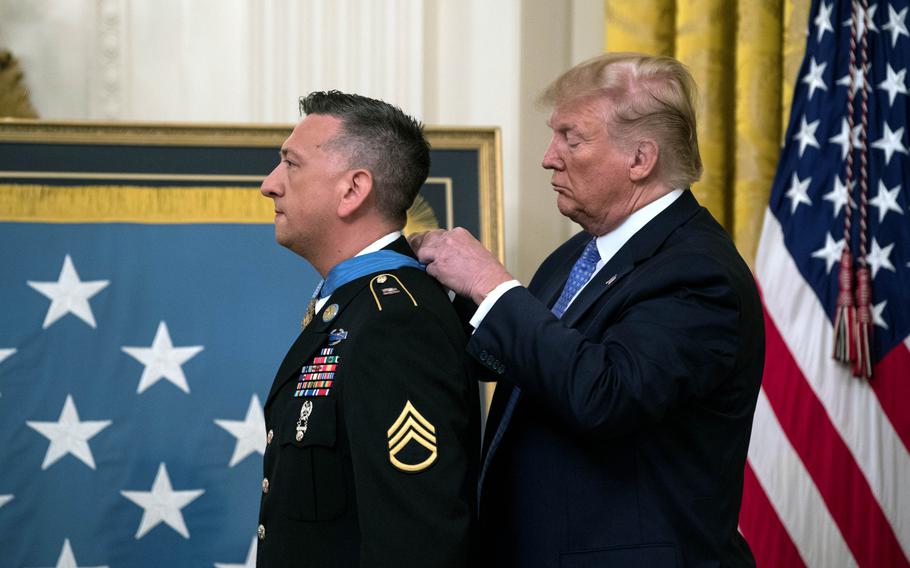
[146, 308]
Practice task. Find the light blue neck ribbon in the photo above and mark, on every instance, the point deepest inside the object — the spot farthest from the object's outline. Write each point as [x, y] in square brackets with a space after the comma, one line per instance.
[355, 267]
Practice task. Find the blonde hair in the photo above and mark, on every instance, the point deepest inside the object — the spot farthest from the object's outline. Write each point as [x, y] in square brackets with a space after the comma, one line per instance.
[650, 96]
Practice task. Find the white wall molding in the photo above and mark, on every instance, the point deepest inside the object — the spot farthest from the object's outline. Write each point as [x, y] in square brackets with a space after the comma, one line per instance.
[448, 62]
[106, 85]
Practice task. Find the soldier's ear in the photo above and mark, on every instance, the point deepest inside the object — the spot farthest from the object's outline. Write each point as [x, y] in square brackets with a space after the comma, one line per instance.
[355, 191]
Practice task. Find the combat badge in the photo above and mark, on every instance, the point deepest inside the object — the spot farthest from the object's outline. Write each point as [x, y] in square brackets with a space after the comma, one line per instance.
[336, 336]
[411, 426]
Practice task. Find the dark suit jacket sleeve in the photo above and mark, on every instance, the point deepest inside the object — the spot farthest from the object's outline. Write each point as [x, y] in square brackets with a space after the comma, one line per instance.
[674, 341]
[419, 518]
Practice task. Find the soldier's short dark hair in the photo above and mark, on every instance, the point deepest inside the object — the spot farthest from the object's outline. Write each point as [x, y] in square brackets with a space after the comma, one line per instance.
[381, 138]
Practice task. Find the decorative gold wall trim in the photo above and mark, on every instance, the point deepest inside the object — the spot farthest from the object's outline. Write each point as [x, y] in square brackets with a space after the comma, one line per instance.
[485, 140]
[131, 176]
[133, 204]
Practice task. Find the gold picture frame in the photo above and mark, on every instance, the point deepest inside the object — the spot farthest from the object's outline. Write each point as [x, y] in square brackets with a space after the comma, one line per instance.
[477, 179]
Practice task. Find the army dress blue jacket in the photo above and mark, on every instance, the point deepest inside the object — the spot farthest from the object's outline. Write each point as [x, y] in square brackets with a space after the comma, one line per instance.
[373, 432]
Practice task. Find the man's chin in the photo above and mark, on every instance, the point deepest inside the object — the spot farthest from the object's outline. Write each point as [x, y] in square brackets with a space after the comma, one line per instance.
[282, 239]
[566, 207]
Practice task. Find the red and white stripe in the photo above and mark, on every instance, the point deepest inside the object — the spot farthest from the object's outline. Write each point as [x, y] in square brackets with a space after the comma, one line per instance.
[828, 474]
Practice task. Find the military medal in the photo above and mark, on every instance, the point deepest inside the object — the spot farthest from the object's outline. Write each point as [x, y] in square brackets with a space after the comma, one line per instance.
[310, 312]
[311, 306]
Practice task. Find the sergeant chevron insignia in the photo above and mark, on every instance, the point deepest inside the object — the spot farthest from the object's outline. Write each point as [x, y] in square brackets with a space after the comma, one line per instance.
[411, 426]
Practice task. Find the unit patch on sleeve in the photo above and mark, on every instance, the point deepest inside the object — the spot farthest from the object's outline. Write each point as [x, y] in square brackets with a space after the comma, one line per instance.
[412, 441]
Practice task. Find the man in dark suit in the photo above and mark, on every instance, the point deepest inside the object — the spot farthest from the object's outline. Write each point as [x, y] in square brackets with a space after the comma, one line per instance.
[628, 369]
[372, 421]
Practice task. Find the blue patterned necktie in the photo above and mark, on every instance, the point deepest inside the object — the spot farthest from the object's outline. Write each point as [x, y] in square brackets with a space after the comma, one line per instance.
[581, 272]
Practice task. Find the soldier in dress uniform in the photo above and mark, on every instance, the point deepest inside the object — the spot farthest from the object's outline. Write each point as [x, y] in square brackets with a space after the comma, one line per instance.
[372, 420]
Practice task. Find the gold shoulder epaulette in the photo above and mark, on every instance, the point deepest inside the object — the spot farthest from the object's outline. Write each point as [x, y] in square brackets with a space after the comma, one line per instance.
[382, 286]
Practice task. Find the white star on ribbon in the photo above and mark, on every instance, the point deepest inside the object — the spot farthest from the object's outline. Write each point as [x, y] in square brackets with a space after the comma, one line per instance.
[894, 84]
[250, 559]
[843, 140]
[4, 499]
[886, 200]
[814, 77]
[69, 435]
[837, 196]
[162, 360]
[162, 504]
[67, 559]
[865, 20]
[890, 142]
[806, 135]
[798, 192]
[897, 24]
[855, 79]
[823, 20]
[69, 294]
[250, 432]
[877, 317]
[880, 258]
[831, 252]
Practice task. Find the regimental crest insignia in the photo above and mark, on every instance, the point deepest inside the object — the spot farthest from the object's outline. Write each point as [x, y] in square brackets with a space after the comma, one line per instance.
[389, 290]
[412, 441]
[329, 313]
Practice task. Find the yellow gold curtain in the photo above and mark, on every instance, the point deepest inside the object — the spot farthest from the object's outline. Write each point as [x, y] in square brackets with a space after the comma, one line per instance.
[744, 55]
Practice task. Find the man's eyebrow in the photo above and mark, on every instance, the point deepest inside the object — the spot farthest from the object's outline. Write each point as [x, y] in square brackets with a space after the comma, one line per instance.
[561, 126]
[285, 152]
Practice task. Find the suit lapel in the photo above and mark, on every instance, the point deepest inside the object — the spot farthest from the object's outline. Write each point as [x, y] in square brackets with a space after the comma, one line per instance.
[548, 290]
[500, 397]
[643, 245]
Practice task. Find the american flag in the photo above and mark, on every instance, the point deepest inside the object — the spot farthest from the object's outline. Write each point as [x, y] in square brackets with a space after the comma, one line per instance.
[134, 361]
[828, 475]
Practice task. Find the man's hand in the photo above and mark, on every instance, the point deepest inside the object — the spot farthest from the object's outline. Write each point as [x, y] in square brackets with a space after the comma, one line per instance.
[459, 262]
